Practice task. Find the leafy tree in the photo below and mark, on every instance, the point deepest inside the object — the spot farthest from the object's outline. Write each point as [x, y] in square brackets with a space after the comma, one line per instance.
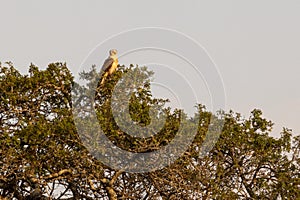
[42, 156]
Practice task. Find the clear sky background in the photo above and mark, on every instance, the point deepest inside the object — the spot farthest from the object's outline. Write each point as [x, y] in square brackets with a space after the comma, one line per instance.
[255, 44]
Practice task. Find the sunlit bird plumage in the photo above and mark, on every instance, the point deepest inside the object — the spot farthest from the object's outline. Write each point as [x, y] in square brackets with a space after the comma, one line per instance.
[110, 65]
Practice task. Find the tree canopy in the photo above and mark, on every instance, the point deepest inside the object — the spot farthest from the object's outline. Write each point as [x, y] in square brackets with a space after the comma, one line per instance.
[42, 155]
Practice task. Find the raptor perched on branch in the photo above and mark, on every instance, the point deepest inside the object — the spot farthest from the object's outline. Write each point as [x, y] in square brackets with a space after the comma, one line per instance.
[110, 65]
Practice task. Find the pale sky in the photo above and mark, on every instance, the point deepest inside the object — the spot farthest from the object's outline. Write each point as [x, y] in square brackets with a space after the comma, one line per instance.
[255, 44]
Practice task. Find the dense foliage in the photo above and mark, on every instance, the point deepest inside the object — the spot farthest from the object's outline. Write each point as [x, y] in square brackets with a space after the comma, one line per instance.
[43, 157]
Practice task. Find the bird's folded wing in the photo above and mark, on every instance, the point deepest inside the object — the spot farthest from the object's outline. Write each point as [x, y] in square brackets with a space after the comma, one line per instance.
[107, 63]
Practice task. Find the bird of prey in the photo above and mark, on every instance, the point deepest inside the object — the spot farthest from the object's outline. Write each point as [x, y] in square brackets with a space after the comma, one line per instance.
[110, 65]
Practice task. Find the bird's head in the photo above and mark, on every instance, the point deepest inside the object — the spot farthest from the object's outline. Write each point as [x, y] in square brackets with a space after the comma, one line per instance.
[113, 52]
